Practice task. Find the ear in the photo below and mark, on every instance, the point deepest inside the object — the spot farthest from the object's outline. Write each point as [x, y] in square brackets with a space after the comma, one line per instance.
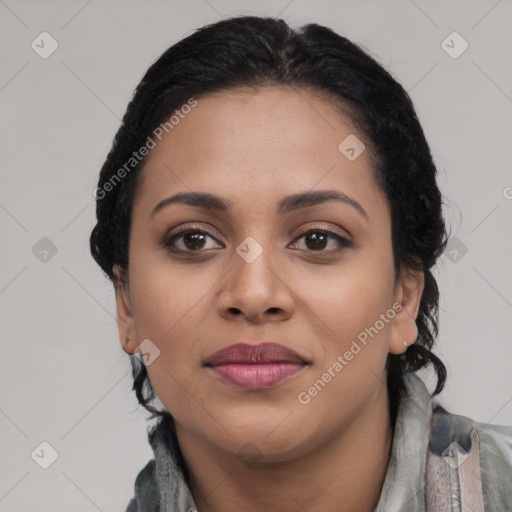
[407, 304]
[125, 317]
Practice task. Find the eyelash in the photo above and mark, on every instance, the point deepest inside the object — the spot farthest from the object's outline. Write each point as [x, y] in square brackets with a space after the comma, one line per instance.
[170, 239]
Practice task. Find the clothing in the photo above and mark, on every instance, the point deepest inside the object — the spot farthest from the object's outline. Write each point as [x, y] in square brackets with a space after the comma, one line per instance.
[439, 462]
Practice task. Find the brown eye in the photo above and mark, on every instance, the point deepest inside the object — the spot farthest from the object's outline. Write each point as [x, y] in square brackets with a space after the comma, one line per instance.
[188, 240]
[318, 239]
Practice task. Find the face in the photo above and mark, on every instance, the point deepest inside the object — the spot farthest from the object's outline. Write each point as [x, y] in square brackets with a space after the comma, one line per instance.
[315, 276]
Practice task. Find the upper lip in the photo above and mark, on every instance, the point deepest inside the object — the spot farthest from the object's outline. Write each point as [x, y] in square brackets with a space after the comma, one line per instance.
[265, 352]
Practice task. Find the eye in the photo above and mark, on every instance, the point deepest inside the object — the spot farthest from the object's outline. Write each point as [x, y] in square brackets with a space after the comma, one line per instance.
[317, 240]
[191, 239]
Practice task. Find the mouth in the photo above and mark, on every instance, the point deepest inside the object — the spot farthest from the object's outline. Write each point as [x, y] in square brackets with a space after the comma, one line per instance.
[255, 366]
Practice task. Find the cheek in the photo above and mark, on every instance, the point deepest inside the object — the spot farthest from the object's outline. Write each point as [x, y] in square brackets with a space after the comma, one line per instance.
[354, 297]
[355, 346]
[351, 307]
[165, 296]
[167, 307]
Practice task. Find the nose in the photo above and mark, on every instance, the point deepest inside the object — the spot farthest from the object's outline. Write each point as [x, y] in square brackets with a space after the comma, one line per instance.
[256, 292]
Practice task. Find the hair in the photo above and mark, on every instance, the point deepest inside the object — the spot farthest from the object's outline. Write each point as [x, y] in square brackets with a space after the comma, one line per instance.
[249, 51]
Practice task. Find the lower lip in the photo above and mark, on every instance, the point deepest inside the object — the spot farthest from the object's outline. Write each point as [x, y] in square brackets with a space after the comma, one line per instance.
[256, 376]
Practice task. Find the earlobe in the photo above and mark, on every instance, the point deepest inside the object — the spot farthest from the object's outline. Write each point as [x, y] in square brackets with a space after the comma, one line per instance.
[404, 330]
[124, 312]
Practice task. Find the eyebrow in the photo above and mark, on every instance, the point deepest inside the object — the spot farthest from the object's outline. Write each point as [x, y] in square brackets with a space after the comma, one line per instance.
[287, 204]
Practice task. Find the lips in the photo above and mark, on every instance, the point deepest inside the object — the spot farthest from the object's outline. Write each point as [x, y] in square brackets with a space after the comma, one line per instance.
[255, 366]
[266, 352]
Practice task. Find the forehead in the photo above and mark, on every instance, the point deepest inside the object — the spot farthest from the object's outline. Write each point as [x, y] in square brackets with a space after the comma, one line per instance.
[252, 145]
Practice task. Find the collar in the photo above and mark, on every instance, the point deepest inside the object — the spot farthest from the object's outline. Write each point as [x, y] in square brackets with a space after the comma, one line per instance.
[404, 486]
[171, 488]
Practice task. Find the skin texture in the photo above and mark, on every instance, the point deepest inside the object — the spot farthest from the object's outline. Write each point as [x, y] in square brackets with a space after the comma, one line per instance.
[264, 450]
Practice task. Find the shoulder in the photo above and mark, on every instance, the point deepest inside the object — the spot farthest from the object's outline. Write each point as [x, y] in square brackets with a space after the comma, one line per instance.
[495, 441]
[480, 454]
[146, 492]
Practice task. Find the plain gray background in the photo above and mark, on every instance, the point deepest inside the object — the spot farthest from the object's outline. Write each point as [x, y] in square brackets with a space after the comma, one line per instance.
[64, 377]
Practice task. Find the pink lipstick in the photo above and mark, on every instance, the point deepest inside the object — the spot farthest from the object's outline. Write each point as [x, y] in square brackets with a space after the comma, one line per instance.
[255, 366]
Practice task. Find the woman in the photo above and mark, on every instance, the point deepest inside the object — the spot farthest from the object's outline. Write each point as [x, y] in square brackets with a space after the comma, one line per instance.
[269, 216]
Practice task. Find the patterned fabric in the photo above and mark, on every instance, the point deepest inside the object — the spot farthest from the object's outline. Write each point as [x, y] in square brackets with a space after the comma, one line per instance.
[440, 462]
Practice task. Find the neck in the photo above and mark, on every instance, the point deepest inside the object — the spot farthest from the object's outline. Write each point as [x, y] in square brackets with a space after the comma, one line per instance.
[346, 472]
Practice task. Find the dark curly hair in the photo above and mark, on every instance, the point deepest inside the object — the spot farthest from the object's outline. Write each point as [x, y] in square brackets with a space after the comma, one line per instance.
[250, 51]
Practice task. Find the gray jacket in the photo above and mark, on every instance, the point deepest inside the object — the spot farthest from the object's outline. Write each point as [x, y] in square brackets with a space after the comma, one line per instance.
[440, 462]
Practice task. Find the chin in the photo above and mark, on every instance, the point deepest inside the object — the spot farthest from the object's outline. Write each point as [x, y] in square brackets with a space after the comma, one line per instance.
[281, 449]
[264, 441]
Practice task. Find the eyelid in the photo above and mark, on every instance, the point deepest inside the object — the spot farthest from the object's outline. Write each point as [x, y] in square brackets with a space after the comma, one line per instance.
[323, 227]
[343, 240]
[181, 230]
